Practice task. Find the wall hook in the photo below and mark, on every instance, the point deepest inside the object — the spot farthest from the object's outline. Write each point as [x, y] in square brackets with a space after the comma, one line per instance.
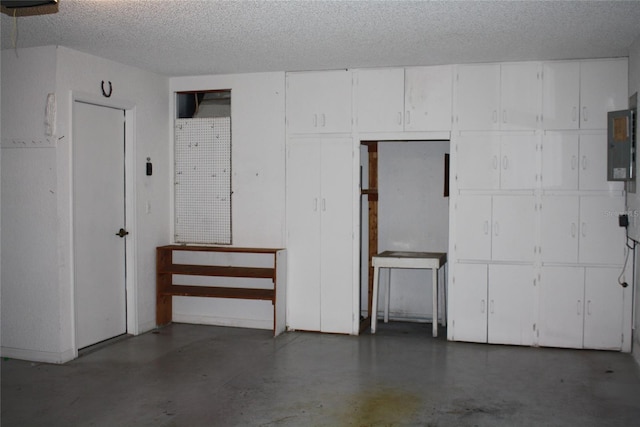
[104, 93]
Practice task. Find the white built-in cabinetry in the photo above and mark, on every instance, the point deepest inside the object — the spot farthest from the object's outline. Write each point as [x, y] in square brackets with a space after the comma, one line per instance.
[534, 222]
[320, 200]
[403, 99]
[535, 248]
[320, 236]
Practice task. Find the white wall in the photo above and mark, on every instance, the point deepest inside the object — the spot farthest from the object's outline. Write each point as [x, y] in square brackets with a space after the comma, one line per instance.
[258, 184]
[633, 200]
[37, 288]
[413, 216]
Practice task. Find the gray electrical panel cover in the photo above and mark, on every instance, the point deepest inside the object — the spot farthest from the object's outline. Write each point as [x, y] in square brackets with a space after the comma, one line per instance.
[621, 145]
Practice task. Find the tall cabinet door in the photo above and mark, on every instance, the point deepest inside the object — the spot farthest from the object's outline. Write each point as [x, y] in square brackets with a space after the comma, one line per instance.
[560, 161]
[473, 227]
[477, 97]
[303, 233]
[428, 98]
[603, 88]
[513, 228]
[521, 96]
[601, 239]
[560, 227]
[478, 161]
[336, 206]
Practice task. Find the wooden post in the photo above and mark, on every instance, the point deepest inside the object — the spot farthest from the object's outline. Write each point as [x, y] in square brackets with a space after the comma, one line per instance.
[373, 214]
[164, 306]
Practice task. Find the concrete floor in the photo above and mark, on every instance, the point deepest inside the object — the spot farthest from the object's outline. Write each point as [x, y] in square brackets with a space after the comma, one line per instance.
[190, 375]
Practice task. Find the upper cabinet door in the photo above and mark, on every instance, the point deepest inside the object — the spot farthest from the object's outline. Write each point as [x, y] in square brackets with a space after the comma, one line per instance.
[521, 96]
[560, 161]
[379, 97]
[560, 95]
[319, 102]
[603, 88]
[477, 97]
[428, 98]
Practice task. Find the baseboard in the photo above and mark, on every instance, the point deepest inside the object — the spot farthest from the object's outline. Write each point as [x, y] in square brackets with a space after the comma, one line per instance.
[38, 356]
[222, 321]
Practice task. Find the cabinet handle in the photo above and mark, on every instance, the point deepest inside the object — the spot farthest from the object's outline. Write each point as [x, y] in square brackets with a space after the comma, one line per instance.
[408, 117]
[584, 229]
[495, 162]
[482, 306]
[315, 204]
[574, 162]
[496, 228]
[324, 204]
[589, 308]
[573, 229]
[574, 114]
[315, 120]
[491, 309]
[584, 162]
[486, 227]
[495, 116]
[579, 306]
[584, 114]
[505, 162]
[323, 121]
[399, 118]
[504, 116]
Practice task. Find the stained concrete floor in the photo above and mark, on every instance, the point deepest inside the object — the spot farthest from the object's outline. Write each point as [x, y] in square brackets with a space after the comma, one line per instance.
[190, 375]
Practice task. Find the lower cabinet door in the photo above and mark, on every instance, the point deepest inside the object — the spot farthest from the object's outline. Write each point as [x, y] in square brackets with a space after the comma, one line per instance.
[468, 302]
[604, 308]
[511, 295]
[561, 307]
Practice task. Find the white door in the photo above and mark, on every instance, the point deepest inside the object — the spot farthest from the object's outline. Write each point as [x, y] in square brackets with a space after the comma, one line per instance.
[303, 233]
[561, 307]
[473, 227]
[98, 215]
[513, 228]
[560, 95]
[511, 314]
[478, 162]
[336, 219]
[560, 161]
[428, 98]
[380, 100]
[518, 162]
[468, 302]
[603, 88]
[602, 240]
[593, 164]
[521, 92]
[603, 310]
[560, 227]
[477, 97]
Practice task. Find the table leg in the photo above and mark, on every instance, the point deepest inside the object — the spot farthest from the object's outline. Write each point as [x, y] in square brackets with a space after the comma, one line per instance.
[387, 302]
[434, 275]
[374, 304]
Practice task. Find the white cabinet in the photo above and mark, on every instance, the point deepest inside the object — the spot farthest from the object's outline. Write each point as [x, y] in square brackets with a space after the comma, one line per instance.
[582, 229]
[498, 96]
[379, 95]
[428, 98]
[578, 94]
[573, 161]
[493, 161]
[319, 234]
[319, 102]
[395, 99]
[499, 227]
[581, 308]
[493, 304]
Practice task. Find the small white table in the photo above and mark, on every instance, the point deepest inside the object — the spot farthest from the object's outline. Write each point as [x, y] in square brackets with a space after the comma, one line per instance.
[400, 259]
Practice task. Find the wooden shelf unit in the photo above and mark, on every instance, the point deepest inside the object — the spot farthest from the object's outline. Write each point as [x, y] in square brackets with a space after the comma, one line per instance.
[166, 289]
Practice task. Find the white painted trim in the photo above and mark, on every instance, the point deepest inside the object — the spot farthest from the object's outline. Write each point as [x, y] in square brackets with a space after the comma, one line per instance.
[130, 208]
[39, 356]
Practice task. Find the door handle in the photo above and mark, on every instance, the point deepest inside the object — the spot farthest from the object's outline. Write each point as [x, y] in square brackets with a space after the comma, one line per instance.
[122, 232]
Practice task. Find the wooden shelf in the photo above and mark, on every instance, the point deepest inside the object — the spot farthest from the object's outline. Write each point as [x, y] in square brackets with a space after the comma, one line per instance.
[166, 289]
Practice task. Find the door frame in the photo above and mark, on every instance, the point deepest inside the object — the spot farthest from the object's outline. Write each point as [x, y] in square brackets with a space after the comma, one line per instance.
[130, 208]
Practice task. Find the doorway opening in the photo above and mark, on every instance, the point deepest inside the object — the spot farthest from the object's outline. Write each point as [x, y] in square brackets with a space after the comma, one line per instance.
[404, 206]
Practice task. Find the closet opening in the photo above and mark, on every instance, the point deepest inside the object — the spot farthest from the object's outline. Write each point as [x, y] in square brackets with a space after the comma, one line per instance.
[404, 206]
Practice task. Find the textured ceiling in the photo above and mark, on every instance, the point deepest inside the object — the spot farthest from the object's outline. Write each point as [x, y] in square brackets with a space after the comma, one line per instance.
[194, 37]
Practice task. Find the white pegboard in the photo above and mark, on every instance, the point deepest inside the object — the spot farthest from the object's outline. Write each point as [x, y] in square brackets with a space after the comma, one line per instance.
[202, 190]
